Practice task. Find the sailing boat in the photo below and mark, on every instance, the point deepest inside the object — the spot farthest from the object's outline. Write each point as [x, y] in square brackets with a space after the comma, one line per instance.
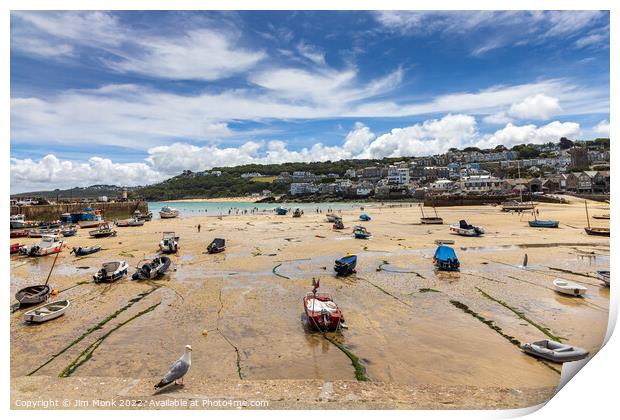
[595, 231]
[430, 220]
[513, 205]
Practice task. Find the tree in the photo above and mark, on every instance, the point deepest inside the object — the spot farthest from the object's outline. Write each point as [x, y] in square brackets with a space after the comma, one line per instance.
[565, 143]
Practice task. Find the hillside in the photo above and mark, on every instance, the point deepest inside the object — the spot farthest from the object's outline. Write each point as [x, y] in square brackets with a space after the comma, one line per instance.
[92, 191]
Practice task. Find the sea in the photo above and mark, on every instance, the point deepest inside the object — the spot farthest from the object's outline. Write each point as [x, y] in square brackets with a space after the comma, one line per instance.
[223, 208]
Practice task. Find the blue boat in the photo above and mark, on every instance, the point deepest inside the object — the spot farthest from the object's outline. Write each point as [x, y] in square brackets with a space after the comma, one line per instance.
[364, 217]
[79, 251]
[360, 232]
[346, 265]
[544, 223]
[68, 232]
[445, 259]
[281, 211]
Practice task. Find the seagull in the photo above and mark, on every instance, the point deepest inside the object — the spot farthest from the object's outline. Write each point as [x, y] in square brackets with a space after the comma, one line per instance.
[178, 369]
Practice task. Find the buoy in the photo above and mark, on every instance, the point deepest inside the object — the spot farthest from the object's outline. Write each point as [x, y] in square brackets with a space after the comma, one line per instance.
[55, 292]
[205, 332]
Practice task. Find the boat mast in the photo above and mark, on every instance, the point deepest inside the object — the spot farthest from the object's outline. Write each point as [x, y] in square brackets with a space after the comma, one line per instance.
[587, 215]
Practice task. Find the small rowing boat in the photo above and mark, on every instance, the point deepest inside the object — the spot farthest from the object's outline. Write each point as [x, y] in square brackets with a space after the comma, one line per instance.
[554, 351]
[364, 217]
[360, 232]
[567, 287]
[32, 295]
[544, 223]
[47, 312]
[103, 231]
[85, 250]
[445, 259]
[129, 223]
[346, 265]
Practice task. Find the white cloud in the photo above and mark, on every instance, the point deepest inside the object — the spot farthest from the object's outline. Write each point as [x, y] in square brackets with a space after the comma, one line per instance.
[497, 118]
[491, 30]
[312, 53]
[140, 117]
[512, 135]
[425, 138]
[602, 128]
[50, 172]
[538, 106]
[198, 55]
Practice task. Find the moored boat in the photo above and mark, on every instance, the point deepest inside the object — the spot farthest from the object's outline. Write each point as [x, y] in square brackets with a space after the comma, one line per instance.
[360, 232]
[544, 223]
[331, 217]
[603, 275]
[129, 223]
[281, 211]
[143, 216]
[465, 229]
[88, 218]
[338, 225]
[86, 250]
[169, 243]
[47, 312]
[445, 259]
[567, 287]
[364, 217]
[346, 265]
[514, 205]
[69, 232]
[111, 271]
[217, 245]
[321, 311]
[153, 270]
[601, 216]
[33, 295]
[20, 233]
[597, 231]
[49, 244]
[297, 212]
[18, 221]
[554, 351]
[167, 212]
[39, 233]
[104, 230]
[15, 247]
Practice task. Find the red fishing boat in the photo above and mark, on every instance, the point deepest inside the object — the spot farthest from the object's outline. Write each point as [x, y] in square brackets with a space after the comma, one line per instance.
[15, 247]
[20, 233]
[322, 312]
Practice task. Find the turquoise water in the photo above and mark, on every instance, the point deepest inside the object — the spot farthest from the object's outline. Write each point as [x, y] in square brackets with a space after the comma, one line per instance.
[221, 208]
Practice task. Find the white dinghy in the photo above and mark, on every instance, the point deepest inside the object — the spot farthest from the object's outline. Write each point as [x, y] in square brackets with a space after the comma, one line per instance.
[570, 288]
[47, 312]
[554, 351]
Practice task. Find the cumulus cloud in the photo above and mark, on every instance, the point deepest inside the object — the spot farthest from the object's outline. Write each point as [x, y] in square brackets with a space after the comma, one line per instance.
[602, 128]
[50, 172]
[538, 106]
[425, 138]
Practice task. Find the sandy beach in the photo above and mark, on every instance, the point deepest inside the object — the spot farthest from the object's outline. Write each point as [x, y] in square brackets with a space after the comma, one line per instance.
[424, 339]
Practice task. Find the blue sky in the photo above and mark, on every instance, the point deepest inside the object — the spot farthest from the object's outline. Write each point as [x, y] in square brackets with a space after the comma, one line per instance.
[134, 97]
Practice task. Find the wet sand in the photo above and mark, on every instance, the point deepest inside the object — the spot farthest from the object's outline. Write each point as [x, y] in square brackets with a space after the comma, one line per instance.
[410, 326]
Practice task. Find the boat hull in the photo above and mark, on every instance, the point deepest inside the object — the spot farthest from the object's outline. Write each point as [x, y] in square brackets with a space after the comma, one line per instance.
[464, 232]
[322, 313]
[431, 220]
[544, 223]
[597, 231]
[47, 312]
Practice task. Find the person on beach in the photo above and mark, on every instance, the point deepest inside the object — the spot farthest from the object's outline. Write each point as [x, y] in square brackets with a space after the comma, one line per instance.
[198, 228]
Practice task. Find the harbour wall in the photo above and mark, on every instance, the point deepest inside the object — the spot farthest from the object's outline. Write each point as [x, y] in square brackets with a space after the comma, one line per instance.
[110, 211]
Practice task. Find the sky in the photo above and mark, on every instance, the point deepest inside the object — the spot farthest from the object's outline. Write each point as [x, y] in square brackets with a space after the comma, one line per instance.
[132, 98]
